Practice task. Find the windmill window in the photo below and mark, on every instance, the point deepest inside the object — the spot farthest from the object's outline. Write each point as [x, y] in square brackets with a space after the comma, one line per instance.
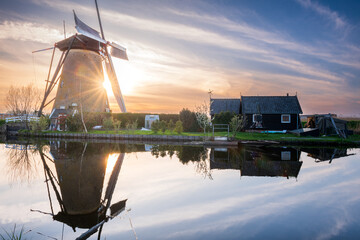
[62, 84]
[285, 118]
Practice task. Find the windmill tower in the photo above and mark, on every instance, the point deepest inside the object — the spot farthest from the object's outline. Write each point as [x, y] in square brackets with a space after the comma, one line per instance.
[79, 75]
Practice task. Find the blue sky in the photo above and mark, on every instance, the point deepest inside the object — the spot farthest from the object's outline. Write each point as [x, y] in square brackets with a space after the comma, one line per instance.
[178, 50]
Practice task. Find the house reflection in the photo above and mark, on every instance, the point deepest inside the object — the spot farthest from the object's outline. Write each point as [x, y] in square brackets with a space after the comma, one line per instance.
[325, 154]
[258, 161]
[78, 183]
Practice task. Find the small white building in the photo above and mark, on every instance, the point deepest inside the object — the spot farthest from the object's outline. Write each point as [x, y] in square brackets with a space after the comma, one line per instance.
[149, 119]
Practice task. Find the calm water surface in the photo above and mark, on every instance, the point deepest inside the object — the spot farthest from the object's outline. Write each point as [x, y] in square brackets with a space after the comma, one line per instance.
[59, 190]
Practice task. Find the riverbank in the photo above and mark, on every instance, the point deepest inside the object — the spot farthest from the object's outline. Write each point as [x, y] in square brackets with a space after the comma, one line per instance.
[242, 137]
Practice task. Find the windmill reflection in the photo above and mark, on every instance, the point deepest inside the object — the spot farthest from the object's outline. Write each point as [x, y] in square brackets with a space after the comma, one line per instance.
[258, 161]
[78, 184]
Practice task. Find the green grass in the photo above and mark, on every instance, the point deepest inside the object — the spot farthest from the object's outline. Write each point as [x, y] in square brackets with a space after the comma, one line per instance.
[244, 136]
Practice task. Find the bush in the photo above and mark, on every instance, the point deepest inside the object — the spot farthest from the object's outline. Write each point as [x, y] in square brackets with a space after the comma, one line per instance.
[108, 123]
[116, 125]
[179, 127]
[171, 125]
[163, 126]
[223, 117]
[155, 126]
[74, 123]
[126, 118]
[188, 119]
[237, 123]
[2, 122]
[39, 125]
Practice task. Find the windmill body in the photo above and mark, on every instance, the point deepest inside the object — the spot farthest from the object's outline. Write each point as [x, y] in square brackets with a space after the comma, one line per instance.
[81, 80]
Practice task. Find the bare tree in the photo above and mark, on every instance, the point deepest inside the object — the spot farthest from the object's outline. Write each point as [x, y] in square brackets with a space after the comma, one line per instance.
[23, 100]
[202, 114]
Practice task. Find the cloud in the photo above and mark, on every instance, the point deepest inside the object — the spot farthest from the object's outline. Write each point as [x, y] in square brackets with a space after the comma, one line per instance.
[27, 31]
[325, 12]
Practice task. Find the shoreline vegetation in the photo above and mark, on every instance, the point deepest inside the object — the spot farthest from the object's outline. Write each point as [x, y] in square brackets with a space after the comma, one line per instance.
[187, 126]
[241, 137]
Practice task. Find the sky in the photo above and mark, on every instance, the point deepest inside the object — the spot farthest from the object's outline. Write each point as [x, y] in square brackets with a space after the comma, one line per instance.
[178, 50]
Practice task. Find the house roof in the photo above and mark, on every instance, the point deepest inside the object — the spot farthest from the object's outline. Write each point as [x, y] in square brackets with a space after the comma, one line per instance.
[270, 105]
[225, 105]
[56, 112]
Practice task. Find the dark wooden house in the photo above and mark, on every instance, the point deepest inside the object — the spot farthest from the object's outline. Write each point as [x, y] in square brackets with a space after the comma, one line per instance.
[271, 112]
[262, 112]
[224, 105]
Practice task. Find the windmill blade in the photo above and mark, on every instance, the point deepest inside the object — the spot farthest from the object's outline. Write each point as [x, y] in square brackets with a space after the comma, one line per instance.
[86, 30]
[118, 51]
[114, 83]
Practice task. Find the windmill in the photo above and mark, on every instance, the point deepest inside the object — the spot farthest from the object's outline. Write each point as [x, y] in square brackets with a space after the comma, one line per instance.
[79, 74]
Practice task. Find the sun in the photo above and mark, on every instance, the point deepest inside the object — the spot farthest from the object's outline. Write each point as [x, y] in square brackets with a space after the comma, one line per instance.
[128, 77]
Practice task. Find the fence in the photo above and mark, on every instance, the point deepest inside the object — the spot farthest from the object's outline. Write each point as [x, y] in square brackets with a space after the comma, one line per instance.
[221, 127]
[22, 119]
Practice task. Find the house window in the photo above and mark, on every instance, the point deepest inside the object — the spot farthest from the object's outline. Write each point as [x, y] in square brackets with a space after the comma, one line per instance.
[257, 117]
[285, 118]
[286, 156]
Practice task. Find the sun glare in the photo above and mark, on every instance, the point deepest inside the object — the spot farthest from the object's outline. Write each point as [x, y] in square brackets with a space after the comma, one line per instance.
[111, 162]
[128, 77]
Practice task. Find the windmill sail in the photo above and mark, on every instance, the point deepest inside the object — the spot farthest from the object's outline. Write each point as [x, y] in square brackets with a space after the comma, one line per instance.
[118, 51]
[84, 29]
[114, 83]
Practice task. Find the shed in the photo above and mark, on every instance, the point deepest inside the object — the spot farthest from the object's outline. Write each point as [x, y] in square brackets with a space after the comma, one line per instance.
[149, 119]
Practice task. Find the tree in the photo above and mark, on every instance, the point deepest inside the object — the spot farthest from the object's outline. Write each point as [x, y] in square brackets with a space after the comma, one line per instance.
[178, 127]
[237, 123]
[188, 120]
[155, 126]
[23, 100]
[203, 116]
[163, 126]
[171, 126]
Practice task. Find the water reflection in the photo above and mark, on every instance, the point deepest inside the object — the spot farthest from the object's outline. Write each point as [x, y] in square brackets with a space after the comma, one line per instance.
[325, 154]
[258, 161]
[81, 179]
[78, 184]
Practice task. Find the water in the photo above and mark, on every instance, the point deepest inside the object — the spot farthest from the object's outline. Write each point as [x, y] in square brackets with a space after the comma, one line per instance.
[54, 190]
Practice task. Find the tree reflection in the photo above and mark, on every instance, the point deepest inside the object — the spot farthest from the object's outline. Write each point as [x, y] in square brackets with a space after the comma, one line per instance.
[21, 163]
[186, 154]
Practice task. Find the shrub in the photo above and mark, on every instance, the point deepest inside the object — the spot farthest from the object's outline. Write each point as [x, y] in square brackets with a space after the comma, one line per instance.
[39, 125]
[134, 125]
[74, 123]
[108, 123]
[2, 122]
[188, 119]
[179, 127]
[163, 126]
[223, 118]
[140, 117]
[116, 125]
[171, 125]
[155, 126]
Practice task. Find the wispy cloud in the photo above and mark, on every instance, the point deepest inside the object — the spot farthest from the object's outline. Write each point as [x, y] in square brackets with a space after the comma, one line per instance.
[27, 31]
[324, 11]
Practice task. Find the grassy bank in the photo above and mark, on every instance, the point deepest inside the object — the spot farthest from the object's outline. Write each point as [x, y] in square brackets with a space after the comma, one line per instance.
[241, 136]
